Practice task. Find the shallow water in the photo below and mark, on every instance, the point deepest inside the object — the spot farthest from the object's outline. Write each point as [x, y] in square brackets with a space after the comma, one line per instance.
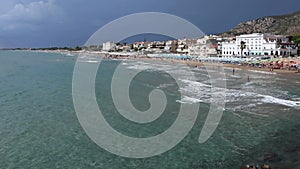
[39, 127]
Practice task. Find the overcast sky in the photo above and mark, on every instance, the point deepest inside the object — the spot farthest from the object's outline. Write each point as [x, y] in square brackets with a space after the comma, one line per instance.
[46, 23]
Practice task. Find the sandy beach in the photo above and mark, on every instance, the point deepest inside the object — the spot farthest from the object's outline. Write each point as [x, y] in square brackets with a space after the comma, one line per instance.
[233, 66]
[178, 61]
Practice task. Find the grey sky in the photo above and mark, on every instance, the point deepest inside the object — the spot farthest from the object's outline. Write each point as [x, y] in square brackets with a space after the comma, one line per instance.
[45, 23]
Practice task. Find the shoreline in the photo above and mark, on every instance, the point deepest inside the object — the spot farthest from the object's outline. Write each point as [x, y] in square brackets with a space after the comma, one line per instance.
[242, 67]
[225, 65]
[178, 61]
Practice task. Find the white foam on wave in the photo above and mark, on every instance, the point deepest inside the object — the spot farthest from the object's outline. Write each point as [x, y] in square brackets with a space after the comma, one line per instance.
[147, 66]
[227, 68]
[235, 76]
[89, 61]
[196, 91]
[235, 95]
[296, 99]
[204, 92]
[263, 72]
[92, 61]
[141, 67]
[248, 83]
[188, 100]
[194, 83]
[289, 103]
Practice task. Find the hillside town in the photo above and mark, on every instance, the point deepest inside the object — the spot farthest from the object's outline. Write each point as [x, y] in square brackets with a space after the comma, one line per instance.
[244, 46]
[255, 50]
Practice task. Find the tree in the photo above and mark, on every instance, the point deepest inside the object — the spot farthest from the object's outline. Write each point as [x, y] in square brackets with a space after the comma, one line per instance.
[78, 48]
[296, 40]
[242, 47]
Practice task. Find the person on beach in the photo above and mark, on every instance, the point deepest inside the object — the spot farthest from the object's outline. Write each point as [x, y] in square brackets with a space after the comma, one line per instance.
[272, 69]
[233, 70]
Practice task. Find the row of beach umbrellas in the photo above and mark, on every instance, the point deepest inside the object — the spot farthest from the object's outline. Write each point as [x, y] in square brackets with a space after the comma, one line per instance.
[255, 61]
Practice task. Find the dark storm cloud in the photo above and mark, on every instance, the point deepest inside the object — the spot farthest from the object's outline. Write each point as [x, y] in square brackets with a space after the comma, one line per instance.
[34, 23]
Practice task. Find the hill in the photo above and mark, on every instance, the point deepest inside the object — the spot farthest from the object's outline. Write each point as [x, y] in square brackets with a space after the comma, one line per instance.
[283, 24]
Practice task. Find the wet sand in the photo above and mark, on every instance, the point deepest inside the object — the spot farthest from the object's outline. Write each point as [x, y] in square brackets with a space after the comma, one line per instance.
[233, 66]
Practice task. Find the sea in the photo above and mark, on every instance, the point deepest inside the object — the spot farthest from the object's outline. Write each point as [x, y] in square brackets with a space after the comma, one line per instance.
[39, 127]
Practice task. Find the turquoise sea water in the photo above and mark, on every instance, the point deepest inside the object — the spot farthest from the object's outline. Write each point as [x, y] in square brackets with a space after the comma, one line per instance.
[39, 127]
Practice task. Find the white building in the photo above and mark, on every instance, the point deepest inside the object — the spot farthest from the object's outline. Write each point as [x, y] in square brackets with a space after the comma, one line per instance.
[258, 44]
[142, 45]
[182, 49]
[109, 46]
[203, 47]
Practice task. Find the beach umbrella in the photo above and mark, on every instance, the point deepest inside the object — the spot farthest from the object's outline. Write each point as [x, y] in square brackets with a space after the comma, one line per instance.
[264, 61]
[274, 60]
[253, 62]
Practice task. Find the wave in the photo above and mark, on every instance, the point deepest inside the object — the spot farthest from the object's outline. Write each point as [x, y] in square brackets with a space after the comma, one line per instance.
[188, 100]
[289, 103]
[90, 61]
[204, 92]
[235, 76]
[227, 68]
[243, 99]
[263, 72]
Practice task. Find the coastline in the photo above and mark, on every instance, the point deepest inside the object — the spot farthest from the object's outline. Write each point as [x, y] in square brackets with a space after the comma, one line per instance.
[225, 65]
[242, 67]
[178, 61]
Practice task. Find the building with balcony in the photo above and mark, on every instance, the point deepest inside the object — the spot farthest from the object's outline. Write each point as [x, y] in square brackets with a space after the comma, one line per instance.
[260, 45]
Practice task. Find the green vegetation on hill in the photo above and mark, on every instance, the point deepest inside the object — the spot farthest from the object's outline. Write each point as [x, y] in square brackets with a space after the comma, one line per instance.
[296, 39]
